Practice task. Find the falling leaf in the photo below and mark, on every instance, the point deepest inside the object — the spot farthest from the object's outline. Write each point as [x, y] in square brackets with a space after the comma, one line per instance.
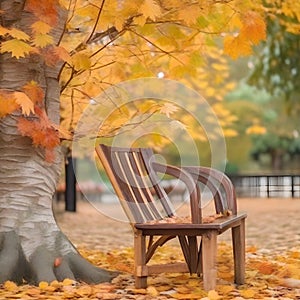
[25, 103]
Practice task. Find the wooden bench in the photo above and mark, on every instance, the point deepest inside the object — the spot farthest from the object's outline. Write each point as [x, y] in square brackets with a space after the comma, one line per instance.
[133, 173]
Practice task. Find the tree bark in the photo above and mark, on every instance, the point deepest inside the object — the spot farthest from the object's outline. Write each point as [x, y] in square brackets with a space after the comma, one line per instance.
[32, 247]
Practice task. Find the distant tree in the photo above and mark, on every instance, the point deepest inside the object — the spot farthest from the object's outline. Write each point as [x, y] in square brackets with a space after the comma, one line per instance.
[276, 65]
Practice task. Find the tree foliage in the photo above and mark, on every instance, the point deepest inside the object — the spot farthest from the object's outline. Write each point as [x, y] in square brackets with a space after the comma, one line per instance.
[109, 41]
[276, 67]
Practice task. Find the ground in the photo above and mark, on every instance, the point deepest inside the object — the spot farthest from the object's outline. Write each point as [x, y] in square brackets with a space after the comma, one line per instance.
[272, 224]
[272, 258]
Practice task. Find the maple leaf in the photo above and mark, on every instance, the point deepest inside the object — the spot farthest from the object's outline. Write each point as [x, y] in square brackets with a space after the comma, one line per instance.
[18, 34]
[81, 61]
[34, 92]
[3, 31]
[62, 53]
[45, 11]
[25, 103]
[253, 27]
[150, 9]
[7, 104]
[168, 109]
[16, 47]
[42, 40]
[41, 27]
[237, 46]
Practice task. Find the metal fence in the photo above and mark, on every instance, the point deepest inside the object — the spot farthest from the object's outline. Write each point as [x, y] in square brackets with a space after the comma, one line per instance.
[285, 186]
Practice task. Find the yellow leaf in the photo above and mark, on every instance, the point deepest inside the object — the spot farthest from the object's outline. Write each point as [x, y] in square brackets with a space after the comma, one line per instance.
[140, 20]
[24, 101]
[230, 132]
[81, 61]
[190, 13]
[16, 47]
[256, 129]
[42, 40]
[152, 291]
[43, 285]
[68, 281]
[40, 27]
[213, 295]
[18, 34]
[150, 9]
[247, 293]
[10, 286]
[3, 30]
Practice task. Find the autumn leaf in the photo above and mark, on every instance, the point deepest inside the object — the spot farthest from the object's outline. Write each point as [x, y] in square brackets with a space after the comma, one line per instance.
[237, 46]
[25, 103]
[253, 27]
[256, 129]
[81, 61]
[40, 27]
[7, 103]
[62, 53]
[19, 34]
[45, 11]
[42, 40]
[3, 31]
[150, 9]
[168, 109]
[34, 92]
[17, 48]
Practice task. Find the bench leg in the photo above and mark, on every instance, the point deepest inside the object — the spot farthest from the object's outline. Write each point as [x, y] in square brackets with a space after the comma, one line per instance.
[238, 245]
[140, 260]
[209, 260]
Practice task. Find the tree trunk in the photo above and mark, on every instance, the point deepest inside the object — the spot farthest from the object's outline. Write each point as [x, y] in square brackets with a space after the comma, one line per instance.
[32, 247]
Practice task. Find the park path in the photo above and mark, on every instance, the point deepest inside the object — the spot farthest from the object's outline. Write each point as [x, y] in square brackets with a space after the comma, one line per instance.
[272, 224]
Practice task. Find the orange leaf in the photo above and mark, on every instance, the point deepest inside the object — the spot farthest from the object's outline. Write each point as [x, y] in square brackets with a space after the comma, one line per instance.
[254, 27]
[34, 92]
[25, 102]
[7, 104]
[237, 46]
[57, 261]
[62, 53]
[45, 11]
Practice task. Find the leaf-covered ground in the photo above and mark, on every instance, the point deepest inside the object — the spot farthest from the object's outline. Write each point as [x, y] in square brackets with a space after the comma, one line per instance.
[272, 265]
[268, 276]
